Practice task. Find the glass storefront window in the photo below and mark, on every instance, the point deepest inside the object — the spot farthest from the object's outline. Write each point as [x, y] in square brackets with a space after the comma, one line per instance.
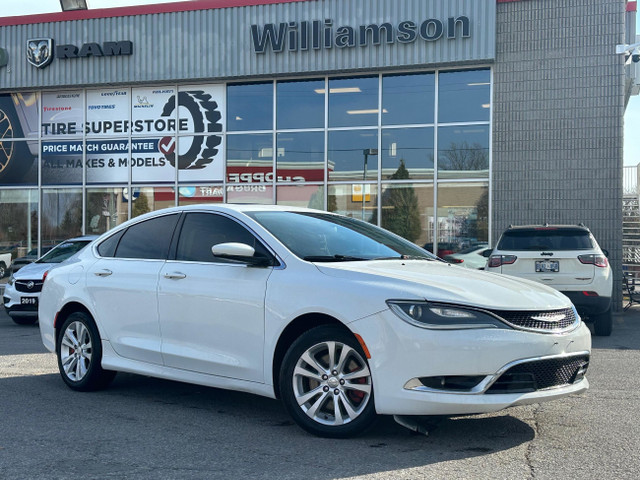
[463, 151]
[300, 157]
[250, 158]
[353, 102]
[464, 96]
[463, 216]
[249, 106]
[153, 160]
[18, 224]
[355, 200]
[408, 98]
[189, 195]
[149, 199]
[106, 208]
[407, 210]
[62, 114]
[18, 164]
[61, 215]
[153, 111]
[199, 158]
[261, 194]
[307, 196]
[353, 155]
[300, 104]
[407, 153]
[107, 159]
[108, 112]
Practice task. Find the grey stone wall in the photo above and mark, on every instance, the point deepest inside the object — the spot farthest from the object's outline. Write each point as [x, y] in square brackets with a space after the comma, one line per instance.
[558, 119]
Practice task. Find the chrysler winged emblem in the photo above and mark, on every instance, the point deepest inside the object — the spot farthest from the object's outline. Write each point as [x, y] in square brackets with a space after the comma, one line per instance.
[40, 51]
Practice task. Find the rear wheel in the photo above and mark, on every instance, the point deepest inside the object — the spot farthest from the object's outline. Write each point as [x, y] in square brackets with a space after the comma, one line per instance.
[326, 384]
[79, 351]
[603, 323]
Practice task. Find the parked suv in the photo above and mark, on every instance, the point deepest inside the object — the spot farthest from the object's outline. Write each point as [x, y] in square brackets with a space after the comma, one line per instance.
[565, 257]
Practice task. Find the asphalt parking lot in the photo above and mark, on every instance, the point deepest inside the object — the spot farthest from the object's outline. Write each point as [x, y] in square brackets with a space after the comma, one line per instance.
[146, 428]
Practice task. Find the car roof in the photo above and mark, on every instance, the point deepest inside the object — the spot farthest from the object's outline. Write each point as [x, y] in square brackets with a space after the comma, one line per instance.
[546, 227]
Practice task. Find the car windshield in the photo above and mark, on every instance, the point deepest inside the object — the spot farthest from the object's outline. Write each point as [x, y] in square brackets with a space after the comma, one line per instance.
[63, 251]
[546, 239]
[321, 237]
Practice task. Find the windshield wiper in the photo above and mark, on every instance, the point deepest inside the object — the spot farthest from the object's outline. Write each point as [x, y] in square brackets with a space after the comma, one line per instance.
[333, 258]
[406, 257]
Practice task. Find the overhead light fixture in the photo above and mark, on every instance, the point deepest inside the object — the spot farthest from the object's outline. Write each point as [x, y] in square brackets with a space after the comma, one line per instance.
[321, 91]
[478, 84]
[68, 5]
[486, 105]
[366, 112]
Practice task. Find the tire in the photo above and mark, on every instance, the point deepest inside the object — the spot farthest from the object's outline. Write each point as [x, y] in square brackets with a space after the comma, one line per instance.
[603, 323]
[25, 320]
[333, 401]
[206, 120]
[79, 352]
[3, 269]
[15, 158]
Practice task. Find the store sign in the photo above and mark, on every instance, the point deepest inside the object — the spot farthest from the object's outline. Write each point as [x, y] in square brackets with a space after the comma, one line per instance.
[42, 51]
[316, 35]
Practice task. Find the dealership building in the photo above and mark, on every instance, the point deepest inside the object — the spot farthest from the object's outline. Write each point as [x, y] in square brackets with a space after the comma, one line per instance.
[442, 120]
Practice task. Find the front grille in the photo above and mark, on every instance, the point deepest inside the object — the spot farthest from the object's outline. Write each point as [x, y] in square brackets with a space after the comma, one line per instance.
[542, 321]
[29, 286]
[541, 374]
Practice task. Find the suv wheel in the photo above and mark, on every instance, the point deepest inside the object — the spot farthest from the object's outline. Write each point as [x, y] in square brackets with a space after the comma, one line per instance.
[603, 323]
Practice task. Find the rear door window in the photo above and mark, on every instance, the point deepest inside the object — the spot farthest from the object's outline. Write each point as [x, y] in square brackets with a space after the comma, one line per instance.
[546, 239]
[149, 239]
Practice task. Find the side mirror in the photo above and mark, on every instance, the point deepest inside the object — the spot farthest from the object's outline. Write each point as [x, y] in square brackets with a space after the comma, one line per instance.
[487, 253]
[240, 252]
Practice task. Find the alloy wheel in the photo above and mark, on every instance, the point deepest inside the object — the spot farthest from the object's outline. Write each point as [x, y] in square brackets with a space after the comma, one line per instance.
[76, 351]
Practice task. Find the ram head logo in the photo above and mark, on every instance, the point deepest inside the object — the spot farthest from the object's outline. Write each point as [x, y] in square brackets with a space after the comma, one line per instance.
[40, 51]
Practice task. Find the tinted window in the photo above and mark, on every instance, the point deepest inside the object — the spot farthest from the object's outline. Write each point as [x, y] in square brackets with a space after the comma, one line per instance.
[201, 231]
[250, 106]
[300, 104]
[353, 101]
[464, 96]
[108, 247]
[553, 239]
[63, 251]
[408, 98]
[149, 239]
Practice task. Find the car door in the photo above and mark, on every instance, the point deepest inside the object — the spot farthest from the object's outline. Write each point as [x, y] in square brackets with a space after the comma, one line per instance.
[123, 286]
[211, 309]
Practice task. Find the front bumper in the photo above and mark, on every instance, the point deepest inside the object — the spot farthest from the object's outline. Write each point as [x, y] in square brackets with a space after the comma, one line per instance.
[588, 305]
[402, 353]
[11, 299]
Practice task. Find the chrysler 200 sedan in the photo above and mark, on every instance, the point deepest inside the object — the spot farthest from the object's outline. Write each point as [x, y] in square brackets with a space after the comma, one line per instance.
[338, 318]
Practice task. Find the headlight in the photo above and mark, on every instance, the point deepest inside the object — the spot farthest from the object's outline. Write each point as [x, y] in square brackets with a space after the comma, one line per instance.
[12, 280]
[441, 316]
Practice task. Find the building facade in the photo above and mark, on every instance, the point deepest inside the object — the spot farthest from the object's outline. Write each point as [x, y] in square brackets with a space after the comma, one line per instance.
[441, 120]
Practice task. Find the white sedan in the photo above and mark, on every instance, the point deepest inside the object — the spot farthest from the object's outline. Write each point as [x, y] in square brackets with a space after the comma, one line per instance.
[338, 318]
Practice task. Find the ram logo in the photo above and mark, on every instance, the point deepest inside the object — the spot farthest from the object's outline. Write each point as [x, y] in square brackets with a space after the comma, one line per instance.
[40, 51]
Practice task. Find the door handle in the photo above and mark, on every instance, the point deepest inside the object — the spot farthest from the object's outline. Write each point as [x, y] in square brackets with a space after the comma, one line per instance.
[103, 273]
[175, 276]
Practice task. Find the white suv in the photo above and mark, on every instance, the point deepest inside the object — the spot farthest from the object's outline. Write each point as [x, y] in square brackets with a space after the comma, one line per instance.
[565, 257]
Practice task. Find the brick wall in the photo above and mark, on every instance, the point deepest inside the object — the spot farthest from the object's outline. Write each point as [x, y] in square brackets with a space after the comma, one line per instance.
[558, 118]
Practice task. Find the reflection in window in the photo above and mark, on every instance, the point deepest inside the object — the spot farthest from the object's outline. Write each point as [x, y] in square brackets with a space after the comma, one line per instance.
[308, 196]
[463, 151]
[11, 127]
[408, 98]
[250, 106]
[300, 156]
[300, 104]
[463, 215]
[106, 208]
[18, 222]
[250, 158]
[464, 96]
[61, 215]
[260, 194]
[409, 148]
[353, 155]
[17, 160]
[407, 210]
[149, 199]
[355, 200]
[200, 194]
[107, 160]
[353, 101]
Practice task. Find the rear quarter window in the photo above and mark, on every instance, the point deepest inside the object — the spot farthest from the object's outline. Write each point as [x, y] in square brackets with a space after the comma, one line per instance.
[546, 240]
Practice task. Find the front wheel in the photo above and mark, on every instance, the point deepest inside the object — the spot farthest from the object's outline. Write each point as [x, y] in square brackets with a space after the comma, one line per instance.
[326, 384]
[79, 352]
[603, 323]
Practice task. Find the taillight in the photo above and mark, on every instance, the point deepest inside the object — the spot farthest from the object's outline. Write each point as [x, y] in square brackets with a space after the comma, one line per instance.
[593, 259]
[590, 294]
[455, 260]
[499, 260]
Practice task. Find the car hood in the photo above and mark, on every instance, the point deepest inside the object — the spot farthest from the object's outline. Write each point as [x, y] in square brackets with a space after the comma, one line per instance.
[33, 271]
[441, 282]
